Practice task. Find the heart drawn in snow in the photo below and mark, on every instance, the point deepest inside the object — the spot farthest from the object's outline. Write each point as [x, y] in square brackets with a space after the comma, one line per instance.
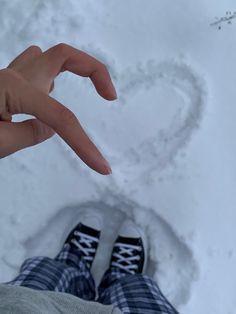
[159, 107]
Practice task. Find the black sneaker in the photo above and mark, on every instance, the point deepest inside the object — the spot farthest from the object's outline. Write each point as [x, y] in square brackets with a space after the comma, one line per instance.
[85, 236]
[128, 253]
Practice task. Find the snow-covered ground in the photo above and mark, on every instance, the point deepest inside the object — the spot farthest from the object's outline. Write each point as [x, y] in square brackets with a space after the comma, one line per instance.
[170, 138]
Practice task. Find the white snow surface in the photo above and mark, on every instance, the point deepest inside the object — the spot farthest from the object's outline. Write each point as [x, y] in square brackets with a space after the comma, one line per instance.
[170, 139]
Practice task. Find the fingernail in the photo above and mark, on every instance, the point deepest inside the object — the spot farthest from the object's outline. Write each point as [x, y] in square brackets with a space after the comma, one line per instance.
[114, 91]
[107, 168]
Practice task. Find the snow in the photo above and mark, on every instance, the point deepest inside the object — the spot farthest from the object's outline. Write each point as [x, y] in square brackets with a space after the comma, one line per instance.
[169, 138]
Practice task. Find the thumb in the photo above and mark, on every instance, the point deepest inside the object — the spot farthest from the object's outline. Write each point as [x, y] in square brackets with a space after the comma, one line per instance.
[24, 98]
[15, 136]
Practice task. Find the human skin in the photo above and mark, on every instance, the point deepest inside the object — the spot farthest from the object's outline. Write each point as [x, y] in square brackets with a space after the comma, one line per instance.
[24, 89]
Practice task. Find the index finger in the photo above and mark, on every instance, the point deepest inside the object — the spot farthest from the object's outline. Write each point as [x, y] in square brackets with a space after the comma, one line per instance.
[22, 97]
[63, 57]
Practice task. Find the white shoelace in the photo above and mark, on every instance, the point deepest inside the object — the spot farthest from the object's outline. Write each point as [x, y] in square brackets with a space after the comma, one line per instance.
[87, 240]
[129, 250]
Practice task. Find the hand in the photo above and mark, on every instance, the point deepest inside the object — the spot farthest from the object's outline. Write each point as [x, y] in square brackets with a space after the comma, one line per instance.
[24, 88]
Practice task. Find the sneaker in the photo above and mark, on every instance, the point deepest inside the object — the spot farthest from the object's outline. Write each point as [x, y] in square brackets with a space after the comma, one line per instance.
[129, 250]
[86, 234]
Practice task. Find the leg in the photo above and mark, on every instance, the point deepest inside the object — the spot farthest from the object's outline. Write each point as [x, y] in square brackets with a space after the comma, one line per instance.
[133, 294]
[124, 285]
[67, 272]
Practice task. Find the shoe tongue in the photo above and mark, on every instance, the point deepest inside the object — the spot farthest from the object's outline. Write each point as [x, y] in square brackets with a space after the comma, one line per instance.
[90, 231]
[128, 240]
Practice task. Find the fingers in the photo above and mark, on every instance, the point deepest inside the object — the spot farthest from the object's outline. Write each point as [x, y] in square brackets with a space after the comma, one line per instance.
[31, 98]
[24, 98]
[5, 116]
[25, 57]
[27, 64]
[18, 135]
[63, 57]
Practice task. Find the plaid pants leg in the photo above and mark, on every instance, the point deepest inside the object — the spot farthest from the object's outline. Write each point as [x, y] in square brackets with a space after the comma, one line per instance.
[67, 272]
[133, 294]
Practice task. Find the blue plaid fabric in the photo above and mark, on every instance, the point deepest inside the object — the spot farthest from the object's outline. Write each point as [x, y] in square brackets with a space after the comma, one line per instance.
[133, 293]
[69, 273]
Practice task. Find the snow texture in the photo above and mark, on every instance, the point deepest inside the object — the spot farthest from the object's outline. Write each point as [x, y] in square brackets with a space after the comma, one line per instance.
[169, 138]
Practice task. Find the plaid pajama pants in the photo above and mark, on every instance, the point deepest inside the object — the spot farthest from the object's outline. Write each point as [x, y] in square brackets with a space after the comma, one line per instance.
[69, 273]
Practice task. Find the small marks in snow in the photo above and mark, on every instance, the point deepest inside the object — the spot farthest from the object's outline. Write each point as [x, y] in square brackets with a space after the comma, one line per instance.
[227, 19]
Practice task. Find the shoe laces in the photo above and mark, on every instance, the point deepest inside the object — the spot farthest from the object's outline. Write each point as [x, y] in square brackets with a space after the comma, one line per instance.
[85, 243]
[127, 257]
